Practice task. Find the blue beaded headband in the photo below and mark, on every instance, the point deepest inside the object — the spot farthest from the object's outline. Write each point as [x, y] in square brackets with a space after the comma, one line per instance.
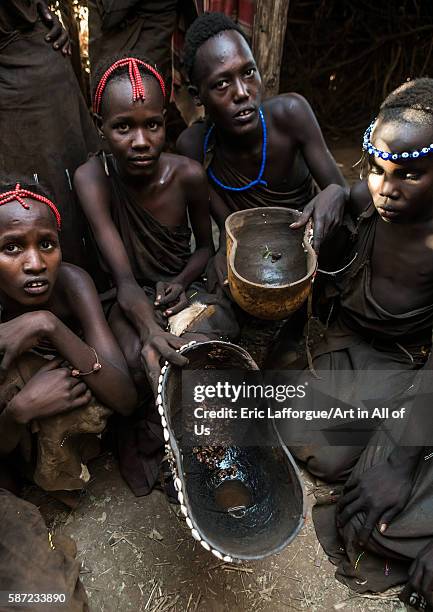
[372, 150]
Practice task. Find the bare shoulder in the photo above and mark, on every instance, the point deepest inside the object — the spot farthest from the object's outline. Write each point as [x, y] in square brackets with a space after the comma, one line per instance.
[74, 283]
[189, 172]
[360, 198]
[91, 170]
[92, 185]
[288, 109]
[190, 142]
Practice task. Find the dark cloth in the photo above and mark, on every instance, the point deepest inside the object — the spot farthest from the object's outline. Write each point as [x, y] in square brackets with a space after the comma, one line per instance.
[53, 451]
[45, 125]
[365, 339]
[387, 558]
[16, 16]
[141, 27]
[155, 253]
[296, 196]
[29, 564]
[359, 311]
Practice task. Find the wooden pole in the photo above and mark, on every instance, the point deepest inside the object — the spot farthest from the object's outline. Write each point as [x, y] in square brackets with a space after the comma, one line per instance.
[270, 22]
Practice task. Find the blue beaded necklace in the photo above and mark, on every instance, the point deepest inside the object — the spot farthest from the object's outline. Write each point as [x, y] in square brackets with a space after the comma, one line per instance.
[258, 180]
[372, 150]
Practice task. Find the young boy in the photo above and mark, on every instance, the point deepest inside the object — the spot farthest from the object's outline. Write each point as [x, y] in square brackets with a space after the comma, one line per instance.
[384, 323]
[257, 153]
[45, 305]
[138, 200]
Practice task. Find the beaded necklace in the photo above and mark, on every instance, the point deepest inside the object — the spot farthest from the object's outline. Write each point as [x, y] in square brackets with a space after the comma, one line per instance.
[372, 150]
[258, 180]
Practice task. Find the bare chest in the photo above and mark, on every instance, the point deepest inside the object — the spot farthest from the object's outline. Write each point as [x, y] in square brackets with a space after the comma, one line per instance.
[165, 202]
[402, 267]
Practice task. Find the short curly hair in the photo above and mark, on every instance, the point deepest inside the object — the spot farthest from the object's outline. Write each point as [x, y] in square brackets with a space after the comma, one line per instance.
[204, 27]
[412, 102]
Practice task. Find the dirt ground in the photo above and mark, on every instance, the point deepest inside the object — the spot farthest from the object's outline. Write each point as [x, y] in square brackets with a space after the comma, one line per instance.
[137, 554]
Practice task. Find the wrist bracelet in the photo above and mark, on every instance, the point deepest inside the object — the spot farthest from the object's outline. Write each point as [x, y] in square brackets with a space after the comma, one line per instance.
[95, 367]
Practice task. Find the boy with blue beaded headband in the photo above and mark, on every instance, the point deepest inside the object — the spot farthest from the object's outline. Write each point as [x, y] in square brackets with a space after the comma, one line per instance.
[257, 153]
[384, 323]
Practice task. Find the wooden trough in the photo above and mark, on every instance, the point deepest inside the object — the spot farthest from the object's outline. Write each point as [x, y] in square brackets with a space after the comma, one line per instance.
[270, 266]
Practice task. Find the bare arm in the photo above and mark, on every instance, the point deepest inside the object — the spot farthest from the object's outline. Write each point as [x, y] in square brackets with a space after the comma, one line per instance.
[196, 193]
[93, 192]
[74, 290]
[293, 112]
[197, 197]
[112, 384]
[190, 144]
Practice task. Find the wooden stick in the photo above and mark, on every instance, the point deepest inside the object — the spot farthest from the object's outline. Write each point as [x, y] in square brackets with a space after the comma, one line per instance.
[269, 32]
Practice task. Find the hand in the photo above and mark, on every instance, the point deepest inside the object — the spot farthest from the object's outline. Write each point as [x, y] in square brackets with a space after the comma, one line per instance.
[50, 391]
[160, 345]
[22, 334]
[327, 210]
[171, 293]
[380, 494]
[57, 34]
[420, 576]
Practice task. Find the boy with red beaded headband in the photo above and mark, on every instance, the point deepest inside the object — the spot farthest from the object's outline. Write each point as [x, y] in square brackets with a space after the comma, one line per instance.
[138, 200]
[52, 308]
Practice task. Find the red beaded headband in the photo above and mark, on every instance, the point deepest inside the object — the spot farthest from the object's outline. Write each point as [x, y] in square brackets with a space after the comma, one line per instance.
[18, 194]
[134, 77]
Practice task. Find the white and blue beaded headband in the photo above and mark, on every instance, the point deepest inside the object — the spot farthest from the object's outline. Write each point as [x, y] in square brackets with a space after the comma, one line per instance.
[372, 150]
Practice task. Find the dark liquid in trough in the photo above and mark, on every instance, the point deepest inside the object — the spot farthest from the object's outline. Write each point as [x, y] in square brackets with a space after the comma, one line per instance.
[232, 493]
[257, 243]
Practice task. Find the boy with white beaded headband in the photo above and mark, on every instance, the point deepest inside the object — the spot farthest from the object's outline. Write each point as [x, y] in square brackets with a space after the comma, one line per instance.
[384, 323]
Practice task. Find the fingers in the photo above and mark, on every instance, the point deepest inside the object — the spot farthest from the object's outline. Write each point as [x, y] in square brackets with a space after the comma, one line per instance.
[78, 390]
[387, 517]
[369, 524]
[53, 364]
[82, 400]
[171, 295]
[181, 304]
[304, 217]
[346, 499]
[62, 42]
[167, 349]
[318, 235]
[173, 357]
[348, 512]
[160, 292]
[54, 33]
[5, 364]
